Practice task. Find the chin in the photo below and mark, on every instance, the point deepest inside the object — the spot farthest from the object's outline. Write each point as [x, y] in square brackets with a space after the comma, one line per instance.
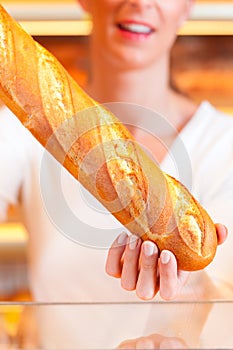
[131, 59]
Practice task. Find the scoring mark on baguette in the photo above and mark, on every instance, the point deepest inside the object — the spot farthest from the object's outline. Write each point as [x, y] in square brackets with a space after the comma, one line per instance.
[54, 88]
[4, 32]
[188, 218]
[125, 172]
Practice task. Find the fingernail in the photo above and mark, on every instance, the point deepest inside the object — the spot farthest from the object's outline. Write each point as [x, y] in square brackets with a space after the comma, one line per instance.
[149, 248]
[145, 344]
[165, 257]
[133, 240]
[171, 343]
[122, 238]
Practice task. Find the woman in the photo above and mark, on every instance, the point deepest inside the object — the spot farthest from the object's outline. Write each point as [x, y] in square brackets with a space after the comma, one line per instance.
[130, 48]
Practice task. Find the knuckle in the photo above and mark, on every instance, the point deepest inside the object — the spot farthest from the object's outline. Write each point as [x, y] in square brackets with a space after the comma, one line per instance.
[129, 257]
[147, 265]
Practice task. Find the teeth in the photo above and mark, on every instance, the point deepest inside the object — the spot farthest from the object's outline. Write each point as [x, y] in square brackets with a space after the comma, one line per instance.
[136, 28]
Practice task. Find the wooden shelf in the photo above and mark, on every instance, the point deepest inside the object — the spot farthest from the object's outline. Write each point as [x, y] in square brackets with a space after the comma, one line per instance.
[66, 18]
[12, 233]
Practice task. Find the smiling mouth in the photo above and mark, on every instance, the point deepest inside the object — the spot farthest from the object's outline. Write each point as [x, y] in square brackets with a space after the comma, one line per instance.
[136, 28]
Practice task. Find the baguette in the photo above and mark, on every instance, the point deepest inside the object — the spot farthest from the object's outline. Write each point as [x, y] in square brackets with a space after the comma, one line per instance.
[92, 144]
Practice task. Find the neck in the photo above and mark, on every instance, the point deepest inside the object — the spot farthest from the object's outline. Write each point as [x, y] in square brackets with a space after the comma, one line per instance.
[144, 86]
[148, 87]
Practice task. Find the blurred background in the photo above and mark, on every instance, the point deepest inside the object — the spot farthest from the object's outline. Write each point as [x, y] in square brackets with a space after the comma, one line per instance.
[202, 67]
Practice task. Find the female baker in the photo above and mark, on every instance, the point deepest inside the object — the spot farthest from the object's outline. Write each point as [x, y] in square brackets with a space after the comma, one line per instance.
[129, 54]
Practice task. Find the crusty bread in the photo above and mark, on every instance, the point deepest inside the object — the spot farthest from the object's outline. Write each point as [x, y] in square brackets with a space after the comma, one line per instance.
[99, 151]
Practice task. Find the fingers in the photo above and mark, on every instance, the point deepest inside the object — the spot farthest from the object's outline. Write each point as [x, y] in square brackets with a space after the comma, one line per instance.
[171, 279]
[136, 263]
[147, 284]
[154, 341]
[129, 273]
[221, 233]
[168, 275]
[148, 342]
[113, 263]
[173, 343]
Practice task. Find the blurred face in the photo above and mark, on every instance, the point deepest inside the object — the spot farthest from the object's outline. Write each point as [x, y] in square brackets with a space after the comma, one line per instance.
[132, 33]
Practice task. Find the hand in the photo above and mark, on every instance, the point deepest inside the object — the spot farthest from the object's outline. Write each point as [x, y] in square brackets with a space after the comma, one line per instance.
[153, 341]
[140, 267]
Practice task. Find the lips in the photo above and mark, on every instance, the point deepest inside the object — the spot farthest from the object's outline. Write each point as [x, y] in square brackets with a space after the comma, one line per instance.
[136, 28]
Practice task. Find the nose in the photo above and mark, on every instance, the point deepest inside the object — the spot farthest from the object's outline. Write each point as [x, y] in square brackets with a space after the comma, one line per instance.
[139, 3]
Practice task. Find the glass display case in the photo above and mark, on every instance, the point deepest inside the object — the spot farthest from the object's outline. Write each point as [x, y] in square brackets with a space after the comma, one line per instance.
[143, 325]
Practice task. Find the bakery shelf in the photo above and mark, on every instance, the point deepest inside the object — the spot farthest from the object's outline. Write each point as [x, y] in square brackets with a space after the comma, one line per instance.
[66, 18]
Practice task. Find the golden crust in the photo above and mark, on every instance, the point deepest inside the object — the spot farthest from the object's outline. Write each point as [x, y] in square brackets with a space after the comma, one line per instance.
[99, 151]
